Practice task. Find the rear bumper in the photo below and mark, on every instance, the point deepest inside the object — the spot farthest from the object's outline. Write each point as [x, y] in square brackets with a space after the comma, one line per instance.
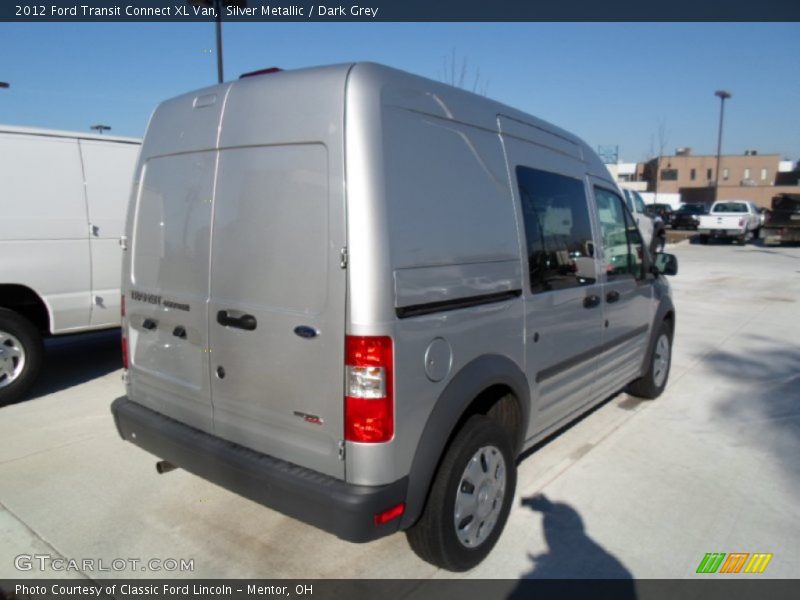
[778, 235]
[721, 233]
[331, 504]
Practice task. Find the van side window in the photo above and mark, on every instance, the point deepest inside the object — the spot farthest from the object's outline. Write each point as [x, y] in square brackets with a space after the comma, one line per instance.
[558, 232]
[622, 241]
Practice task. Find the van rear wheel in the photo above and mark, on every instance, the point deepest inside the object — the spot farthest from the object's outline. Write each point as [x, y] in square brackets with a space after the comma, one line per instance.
[21, 354]
[470, 498]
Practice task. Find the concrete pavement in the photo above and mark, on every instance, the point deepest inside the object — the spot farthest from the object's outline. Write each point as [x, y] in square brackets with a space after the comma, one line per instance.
[635, 489]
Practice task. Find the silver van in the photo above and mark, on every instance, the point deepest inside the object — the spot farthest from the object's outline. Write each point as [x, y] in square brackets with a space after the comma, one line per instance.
[356, 295]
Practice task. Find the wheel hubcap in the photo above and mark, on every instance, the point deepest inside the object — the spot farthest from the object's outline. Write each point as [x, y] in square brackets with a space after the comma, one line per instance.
[479, 498]
[12, 359]
[661, 360]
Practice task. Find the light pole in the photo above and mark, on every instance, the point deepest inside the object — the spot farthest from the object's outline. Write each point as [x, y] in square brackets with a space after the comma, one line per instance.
[100, 128]
[723, 95]
[218, 6]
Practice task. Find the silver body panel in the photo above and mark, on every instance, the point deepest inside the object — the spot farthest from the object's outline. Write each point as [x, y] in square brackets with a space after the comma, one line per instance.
[416, 179]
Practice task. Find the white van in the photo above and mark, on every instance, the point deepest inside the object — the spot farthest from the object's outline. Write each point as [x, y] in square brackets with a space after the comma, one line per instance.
[63, 197]
[357, 296]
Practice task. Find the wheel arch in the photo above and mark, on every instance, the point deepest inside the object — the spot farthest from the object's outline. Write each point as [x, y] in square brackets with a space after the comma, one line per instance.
[28, 303]
[491, 384]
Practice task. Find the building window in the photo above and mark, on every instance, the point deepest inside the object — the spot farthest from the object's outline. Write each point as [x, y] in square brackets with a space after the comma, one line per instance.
[669, 174]
[709, 174]
[725, 174]
[747, 173]
[764, 174]
[693, 174]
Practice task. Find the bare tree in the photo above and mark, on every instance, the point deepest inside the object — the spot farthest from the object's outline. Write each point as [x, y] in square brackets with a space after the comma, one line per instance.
[658, 145]
[456, 72]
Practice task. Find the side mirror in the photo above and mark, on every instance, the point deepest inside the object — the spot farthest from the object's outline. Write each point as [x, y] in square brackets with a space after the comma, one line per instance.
[666, 264]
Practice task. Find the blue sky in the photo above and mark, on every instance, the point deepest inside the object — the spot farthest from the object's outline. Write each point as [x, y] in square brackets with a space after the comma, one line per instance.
[611, 84]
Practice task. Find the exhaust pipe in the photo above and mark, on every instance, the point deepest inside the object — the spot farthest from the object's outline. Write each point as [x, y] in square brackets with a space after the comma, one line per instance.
[164, 466]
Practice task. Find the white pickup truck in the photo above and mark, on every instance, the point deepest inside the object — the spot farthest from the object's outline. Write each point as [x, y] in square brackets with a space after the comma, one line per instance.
[737, 220]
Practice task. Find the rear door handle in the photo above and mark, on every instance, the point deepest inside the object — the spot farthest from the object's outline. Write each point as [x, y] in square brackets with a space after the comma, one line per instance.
[247, 322]
[149, 324]
[612, 296]
[591, 301]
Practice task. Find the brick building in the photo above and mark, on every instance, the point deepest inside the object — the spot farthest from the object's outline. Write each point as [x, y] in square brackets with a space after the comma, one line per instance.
[749, 176]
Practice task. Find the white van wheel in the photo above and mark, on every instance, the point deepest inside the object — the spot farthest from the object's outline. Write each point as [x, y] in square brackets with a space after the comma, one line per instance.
[20, 355]
[470, 498]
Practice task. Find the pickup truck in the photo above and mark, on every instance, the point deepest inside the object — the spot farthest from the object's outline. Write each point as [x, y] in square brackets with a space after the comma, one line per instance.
[737, 220]
[783, 221]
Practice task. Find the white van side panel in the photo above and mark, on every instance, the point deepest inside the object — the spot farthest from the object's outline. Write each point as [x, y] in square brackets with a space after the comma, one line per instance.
[44, 242]
[108, 172]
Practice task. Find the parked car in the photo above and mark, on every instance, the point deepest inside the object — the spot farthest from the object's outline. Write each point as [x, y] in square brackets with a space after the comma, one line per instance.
[782, 224]
[653, 233]
[63, 197]
[688, 216]
[408, 286]
[737, 220]
[661, 211]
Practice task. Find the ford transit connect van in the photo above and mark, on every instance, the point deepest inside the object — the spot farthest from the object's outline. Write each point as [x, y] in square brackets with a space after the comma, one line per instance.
[356, 296]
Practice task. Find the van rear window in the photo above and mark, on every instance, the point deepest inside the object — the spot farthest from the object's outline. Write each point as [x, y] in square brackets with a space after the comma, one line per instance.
[557, 230]
[730, 207]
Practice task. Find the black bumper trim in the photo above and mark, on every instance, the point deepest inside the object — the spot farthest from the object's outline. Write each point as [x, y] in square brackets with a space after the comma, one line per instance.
[331, 504]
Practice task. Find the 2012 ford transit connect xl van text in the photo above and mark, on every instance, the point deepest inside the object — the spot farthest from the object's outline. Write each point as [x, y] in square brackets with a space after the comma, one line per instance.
[356, 296]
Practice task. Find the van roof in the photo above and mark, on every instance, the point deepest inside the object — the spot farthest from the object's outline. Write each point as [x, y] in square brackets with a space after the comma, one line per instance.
[67, 134]
[422, 95]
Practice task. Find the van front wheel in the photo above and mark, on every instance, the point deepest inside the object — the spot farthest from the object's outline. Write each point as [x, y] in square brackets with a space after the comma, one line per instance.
[470, 498]
[652, 384]
[20, 356]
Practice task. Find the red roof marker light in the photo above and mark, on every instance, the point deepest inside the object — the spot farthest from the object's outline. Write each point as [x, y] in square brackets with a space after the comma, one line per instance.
[261, 72]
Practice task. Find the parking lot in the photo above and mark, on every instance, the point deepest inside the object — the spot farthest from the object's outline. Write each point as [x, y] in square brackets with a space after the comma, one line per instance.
[635, 489]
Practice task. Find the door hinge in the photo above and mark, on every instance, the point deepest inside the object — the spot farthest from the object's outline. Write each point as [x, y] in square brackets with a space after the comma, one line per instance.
[123, 242]
[341, 449]
[343, 257]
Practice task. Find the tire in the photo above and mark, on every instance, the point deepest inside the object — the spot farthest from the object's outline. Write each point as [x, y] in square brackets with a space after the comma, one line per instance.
[653, 382]
[21, 353]
[480, 457]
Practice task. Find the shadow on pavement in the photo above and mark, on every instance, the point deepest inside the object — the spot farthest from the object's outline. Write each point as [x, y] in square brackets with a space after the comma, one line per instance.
[768, 415]
[572, 554]
[75, 359]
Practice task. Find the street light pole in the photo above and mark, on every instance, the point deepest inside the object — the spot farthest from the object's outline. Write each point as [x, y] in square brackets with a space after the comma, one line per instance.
[218, 19]
[723, 95]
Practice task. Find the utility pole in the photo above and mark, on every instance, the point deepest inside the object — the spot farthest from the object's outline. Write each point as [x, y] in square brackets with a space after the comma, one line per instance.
[722, 95]
[100, 128]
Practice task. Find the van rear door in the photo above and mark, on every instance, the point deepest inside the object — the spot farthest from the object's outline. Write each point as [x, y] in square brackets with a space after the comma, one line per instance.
[166, 280]
[277, 296]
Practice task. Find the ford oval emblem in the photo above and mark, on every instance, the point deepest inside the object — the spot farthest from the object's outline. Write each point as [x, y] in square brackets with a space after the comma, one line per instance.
[304, 331]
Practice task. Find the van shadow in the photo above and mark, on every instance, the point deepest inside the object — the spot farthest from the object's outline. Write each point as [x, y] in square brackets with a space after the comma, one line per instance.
[75, 359]
[572, 554]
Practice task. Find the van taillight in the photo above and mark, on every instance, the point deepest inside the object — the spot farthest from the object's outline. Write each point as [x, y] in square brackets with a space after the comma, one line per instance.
[369, 389]
[741, 222]
[124, 338]
[124, 352]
